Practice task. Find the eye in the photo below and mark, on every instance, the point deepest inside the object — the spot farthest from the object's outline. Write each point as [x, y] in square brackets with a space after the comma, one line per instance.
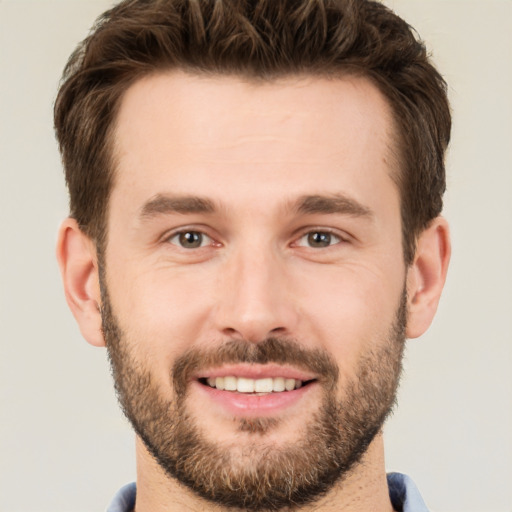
[318, 239]
[190, 239]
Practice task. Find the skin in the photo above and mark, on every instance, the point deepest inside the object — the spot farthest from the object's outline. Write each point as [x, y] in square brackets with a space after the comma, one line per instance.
[254, 150]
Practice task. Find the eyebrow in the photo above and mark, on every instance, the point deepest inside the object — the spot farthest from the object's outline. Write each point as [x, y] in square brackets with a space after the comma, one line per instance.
[309, 204]
[166, 204]
[336, 203]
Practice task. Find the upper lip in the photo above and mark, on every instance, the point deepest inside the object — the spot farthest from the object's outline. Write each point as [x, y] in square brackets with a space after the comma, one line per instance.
[256, 371]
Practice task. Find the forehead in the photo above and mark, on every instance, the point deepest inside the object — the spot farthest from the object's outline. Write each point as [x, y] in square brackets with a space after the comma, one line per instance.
[180, 130]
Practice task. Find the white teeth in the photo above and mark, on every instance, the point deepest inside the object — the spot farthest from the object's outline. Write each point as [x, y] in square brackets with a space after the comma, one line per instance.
[230, 383]
[289, 384]
[264, 385]
[278, 385]
[244, 385]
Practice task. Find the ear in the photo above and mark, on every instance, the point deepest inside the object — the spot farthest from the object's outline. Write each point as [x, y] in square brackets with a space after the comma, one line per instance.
[426, 276]
[77, 258]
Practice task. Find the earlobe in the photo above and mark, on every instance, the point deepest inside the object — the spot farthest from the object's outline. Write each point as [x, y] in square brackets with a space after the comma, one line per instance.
[76, 255]
[427, 275]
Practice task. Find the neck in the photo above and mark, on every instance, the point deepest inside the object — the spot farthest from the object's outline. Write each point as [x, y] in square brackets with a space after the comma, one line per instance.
[365, 488]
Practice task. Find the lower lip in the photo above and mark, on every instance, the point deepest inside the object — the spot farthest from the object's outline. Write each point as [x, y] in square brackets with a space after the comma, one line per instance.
[251, 405]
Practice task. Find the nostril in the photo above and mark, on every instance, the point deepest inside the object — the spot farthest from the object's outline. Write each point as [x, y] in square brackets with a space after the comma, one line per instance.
[252, 334]
[278, 330]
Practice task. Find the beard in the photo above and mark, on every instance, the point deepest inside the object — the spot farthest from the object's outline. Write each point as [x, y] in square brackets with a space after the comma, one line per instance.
[257, 475]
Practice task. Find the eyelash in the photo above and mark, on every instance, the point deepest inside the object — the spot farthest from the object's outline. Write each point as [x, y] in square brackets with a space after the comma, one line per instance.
[200, 237]
[184, 233]
[326, 233]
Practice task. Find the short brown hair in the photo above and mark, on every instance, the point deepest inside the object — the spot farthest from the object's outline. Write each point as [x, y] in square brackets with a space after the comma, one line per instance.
[261, 39]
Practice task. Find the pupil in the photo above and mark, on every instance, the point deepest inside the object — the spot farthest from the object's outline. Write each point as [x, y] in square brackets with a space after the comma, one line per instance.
[191, 239]
[319, 239]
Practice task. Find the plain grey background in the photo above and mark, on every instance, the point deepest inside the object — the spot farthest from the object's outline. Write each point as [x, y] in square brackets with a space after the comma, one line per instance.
[64, 446]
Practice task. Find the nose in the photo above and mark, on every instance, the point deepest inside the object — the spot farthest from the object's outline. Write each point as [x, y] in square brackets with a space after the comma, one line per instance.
[255, 298]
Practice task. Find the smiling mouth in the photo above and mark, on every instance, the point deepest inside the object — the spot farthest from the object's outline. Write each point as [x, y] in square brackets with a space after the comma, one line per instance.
[254, 386]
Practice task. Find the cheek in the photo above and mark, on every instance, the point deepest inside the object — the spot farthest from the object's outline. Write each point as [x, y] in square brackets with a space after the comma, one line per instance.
[162, 313]
[350, 311]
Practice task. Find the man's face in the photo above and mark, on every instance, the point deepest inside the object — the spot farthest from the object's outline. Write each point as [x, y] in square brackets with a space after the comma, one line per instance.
[253, 286]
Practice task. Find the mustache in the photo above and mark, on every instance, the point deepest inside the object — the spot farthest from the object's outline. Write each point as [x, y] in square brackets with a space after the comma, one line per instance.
[283, 351]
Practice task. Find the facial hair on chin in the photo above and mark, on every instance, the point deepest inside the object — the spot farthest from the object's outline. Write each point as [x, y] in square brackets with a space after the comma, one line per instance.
[258, 477]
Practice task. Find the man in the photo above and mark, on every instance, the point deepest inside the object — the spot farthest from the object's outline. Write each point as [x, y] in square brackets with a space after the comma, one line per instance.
[255, 229]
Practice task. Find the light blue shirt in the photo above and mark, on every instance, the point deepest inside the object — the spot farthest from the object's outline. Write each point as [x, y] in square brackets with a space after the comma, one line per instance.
[404, 495]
